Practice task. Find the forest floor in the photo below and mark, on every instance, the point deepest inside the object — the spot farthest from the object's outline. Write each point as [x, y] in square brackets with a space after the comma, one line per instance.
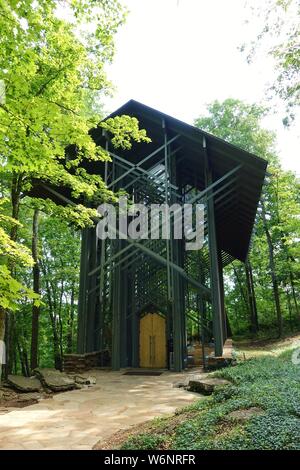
[266, 347]
[260, 410]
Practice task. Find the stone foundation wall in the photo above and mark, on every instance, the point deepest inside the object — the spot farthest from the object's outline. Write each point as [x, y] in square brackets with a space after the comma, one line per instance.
[83, 362]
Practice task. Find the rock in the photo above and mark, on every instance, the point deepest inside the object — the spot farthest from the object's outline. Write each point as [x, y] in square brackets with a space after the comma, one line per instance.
[90, 380]
[215, 363]
[181, 384]
[7, 394]
[55, 380]
[24, 384]
[78, 386]
[79, 363]
[206, 385]
[244, 414]
[22, 401]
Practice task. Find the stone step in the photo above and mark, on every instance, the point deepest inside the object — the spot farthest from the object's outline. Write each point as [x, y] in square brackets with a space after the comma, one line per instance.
[55, 380]
[206, 385]
[24, 384]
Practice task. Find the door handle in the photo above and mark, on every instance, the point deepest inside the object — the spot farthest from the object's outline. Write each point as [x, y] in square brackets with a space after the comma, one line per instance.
[152, 350]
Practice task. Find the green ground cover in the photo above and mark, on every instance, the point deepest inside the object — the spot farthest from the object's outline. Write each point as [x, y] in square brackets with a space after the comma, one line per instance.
[270, 386]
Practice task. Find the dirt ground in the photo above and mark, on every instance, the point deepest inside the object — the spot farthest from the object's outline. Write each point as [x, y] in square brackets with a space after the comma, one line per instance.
[270, 347]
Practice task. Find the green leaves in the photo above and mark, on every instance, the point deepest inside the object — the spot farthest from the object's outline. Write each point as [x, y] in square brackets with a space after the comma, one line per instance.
[279, 36]
[124, 129]
[241, 124]
[12, 292]
[270, 386]
[51, 71]
[52, 62]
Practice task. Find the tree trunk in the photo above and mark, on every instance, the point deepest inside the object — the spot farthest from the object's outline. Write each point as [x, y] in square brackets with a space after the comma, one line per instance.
[36, 289]
[289, 307]
[15, 201]
[56, 347]
[52, 315]
[2, 335]
[294, 293]
[273, 271]
[9, 319]
[23, 359]
[251, 297]
[71, 323]
[240, 286]
[60, 323]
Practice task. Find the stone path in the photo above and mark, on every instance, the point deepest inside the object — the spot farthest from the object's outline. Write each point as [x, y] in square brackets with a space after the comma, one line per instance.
[79, 418]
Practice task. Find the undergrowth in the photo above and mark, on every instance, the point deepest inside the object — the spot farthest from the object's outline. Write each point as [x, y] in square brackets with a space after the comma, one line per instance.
[270, 384]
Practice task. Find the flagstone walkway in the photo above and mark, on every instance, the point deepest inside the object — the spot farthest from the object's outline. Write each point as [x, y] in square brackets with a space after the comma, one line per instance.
[80, 418]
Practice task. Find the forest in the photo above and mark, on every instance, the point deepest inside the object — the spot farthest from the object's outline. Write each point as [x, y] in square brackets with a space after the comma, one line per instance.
[53, 68]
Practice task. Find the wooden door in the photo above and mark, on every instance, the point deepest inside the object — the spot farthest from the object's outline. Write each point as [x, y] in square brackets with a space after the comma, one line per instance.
[153, 353]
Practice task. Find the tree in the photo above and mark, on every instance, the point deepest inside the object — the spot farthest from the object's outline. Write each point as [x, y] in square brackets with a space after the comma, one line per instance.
[59, 263]
[52, 65]
[36, 289]
[11, 291]
[274, 251]
[280, 28]
[240, 124]
[272, 269]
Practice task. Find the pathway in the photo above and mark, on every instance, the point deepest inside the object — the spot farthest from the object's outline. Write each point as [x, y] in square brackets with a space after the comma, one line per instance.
[80, 418]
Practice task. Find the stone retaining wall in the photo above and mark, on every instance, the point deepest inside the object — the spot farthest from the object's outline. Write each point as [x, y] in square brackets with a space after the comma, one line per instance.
[87, 361]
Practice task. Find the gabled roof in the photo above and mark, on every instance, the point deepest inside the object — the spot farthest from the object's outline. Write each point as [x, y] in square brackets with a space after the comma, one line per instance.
[235, 206]
[236, 211]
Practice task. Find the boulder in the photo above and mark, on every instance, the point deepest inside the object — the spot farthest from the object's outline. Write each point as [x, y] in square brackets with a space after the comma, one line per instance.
[180, 384]
[22, 401]
[218, 362]
[244, 414]
[90, 380]
[183, 383]
[206, 385]
[55, 380]
[24, 384]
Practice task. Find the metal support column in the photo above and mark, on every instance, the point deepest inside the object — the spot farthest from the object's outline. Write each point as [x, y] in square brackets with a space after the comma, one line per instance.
[213, 254]
[90, 313]
[134, 322]
[116, 314]
[173, 254]
[123, 306]
[224, 322]
[82, 298]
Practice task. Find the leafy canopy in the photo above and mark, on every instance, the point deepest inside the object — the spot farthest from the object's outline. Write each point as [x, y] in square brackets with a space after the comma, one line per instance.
[278, 35]
[49, 72]
[53, 55]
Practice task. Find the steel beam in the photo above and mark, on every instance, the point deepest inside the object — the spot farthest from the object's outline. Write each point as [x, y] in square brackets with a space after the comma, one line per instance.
[82, 297]
[213, 253]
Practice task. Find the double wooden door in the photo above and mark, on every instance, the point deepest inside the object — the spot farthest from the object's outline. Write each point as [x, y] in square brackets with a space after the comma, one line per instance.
[153, 350]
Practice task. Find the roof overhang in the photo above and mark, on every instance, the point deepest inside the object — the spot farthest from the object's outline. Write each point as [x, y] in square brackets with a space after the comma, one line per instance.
[235, 207]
